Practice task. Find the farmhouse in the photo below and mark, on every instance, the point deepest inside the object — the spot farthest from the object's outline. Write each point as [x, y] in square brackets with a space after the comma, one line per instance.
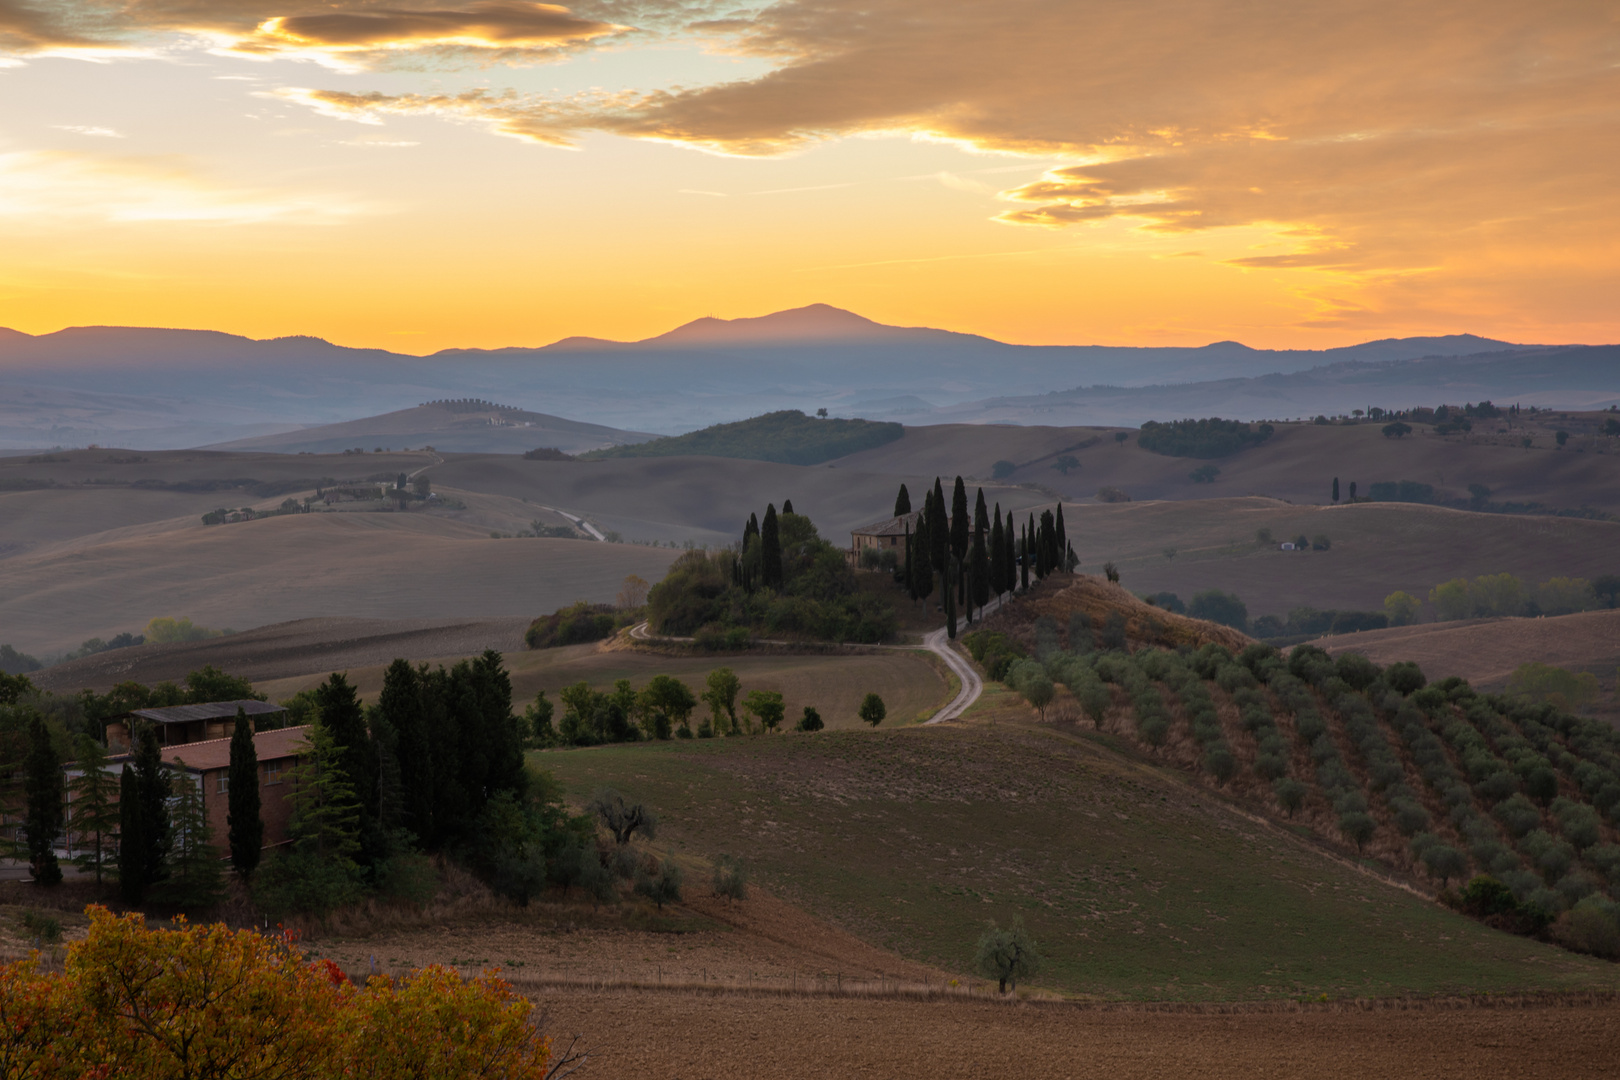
[207, 764]
[886, 535]
[177, 725]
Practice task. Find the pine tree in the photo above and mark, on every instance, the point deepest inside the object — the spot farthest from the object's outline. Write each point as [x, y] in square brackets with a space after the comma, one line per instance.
[1335, 489]
[902, 502]
[770, 550]
[998, 556]
[243, 817]
[194, 879]
[95, 810]
[326, 815]
[43, 784]
[343, 715]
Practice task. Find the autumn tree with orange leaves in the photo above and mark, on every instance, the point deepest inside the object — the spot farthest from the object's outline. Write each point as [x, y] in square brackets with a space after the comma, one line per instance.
[208, 1001]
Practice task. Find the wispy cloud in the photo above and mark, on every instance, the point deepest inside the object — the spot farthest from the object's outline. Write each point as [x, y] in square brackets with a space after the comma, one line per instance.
[84, 129]
[38, 187]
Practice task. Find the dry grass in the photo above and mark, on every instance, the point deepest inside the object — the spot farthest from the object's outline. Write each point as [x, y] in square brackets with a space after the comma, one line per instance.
[1061, 597]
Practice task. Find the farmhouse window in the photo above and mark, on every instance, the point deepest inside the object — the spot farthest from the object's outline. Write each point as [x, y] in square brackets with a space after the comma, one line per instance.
[222, 783]
[272, 773]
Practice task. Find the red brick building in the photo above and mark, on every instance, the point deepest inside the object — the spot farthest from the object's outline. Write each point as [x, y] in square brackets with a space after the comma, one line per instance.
[177, 724]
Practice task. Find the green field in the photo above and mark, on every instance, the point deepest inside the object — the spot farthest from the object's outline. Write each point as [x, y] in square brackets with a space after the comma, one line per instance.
[1137, 884]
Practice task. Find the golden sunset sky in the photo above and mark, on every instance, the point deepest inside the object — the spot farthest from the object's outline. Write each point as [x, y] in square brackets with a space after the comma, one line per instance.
[415, 176]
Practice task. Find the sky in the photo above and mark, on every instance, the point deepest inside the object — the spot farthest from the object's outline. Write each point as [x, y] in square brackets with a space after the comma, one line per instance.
[416, 176]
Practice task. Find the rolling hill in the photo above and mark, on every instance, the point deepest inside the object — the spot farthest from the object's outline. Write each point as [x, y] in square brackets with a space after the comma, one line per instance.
[466, 427]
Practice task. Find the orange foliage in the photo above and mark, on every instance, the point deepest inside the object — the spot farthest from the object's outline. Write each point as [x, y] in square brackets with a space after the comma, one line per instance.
[208, 1001]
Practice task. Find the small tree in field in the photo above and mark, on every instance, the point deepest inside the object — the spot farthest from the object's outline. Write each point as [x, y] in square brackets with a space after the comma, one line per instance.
[720, 695]
[1445, 862]
[767, 706]
[663, 887]
[873, 711]
[621, 818]
[1007, 955]
[811, 720]
[1357, 827]
[1290, 794]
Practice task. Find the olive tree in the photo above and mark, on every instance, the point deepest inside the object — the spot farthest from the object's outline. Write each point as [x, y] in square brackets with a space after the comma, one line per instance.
[1007, 955]
[622, 819]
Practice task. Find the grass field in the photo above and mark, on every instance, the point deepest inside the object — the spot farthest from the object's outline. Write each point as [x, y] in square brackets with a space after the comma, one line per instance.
[1138, 885]
[911, 684]
[1377, 548]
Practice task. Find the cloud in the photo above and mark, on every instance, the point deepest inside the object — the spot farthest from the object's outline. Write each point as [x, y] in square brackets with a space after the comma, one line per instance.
[84, 129]
[41, 187]
[1394, 148]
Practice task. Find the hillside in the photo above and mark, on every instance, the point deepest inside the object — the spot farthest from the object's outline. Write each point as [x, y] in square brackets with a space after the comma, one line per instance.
[788, 437]
[1298, 463]
[463, 427]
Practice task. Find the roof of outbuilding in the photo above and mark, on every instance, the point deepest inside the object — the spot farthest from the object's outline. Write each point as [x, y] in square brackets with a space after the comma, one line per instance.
[213, 710]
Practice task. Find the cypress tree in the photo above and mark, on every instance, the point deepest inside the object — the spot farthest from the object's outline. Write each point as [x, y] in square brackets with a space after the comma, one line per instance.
[1335, 489]
[1046, 545]
[950, 600]
[243, 819]
[979, 572]
[787, 506]
[1009, 546]
[770, 550]
[902, 502]
[1023, 556]
[1062, 541]
[998, 556]
[43, 785]
[132, 839]
[95, 814]
[961, 534]
[939, 532]
[503, 734]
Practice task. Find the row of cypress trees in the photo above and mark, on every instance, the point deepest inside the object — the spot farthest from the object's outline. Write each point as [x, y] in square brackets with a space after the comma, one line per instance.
[765, 539]
[976, 557]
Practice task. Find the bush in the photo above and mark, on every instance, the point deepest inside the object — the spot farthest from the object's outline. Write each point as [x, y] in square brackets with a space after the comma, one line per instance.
[1219, 607]
[662, 886]
[730, 880]
[810, 721]
[1485, 896]
[1591, 926]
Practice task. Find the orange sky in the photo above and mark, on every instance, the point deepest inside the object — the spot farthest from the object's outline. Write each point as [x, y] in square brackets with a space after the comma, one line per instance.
[421, 175]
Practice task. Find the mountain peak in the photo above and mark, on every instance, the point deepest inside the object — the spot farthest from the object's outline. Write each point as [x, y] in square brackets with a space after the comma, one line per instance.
[814, 322]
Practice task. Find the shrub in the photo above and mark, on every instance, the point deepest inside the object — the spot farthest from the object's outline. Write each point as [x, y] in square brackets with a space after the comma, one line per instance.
[577, 624]
[1591, 926]
[730, 879]
[1485, 896]
[810, 721]
[661, 886]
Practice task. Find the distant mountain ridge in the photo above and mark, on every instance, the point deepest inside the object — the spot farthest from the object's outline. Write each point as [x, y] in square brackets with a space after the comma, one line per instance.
[148, 387]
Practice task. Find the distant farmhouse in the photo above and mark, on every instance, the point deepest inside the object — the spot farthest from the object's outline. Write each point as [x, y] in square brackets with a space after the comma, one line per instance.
[881, 536]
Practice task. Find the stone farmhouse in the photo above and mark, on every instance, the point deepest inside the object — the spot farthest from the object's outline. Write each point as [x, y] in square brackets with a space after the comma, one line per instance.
[886, 535]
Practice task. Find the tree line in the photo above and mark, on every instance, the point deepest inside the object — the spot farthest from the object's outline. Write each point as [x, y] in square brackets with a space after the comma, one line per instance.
[972, 558]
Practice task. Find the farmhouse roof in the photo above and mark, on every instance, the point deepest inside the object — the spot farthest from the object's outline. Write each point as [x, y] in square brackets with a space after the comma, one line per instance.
[213, 710]
[894, 526]
[216, 753]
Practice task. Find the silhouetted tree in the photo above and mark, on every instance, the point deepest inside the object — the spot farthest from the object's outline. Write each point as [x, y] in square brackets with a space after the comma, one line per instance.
[1335, 489]
[770, 550]
[998, 555]
[961, 535]
[787, 506]
[939, 532]
[902, 502]
[243, 818]
[42, 782]
[1062, 536]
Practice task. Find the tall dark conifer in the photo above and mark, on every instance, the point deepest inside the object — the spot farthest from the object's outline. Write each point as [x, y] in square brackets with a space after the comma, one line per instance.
[998, 555]
[1023, 555]
[144, 834]
[961, 535]
[343, 715]
[243, 819]
[902, 502]
[42, 782]
[770, 550]
[939, 532]
[979, 571]
[401, 707]
[1062, 541]
[132, 839]
[787, 506]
